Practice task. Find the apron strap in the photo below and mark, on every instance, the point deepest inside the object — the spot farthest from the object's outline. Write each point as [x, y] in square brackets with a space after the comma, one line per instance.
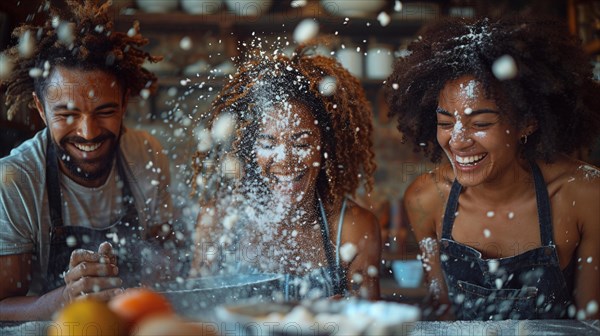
[128, 199]
[337, 274]
[543, 206]
[53, 183]
[450, 212]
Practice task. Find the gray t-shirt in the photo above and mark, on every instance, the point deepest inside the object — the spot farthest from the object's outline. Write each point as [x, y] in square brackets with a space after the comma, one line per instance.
[24, 210]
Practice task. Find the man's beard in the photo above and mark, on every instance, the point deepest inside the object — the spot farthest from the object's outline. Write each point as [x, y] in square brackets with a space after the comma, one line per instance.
[76, 166]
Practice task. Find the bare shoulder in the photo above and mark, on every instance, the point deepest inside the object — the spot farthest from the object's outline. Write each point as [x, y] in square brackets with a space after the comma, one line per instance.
[360, 218]
[573, 178]
[574, 188]
[428, 193]
[423, 187]
[361, 228]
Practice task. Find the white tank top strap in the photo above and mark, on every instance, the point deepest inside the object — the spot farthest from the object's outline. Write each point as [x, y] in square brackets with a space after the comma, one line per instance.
[339, 230]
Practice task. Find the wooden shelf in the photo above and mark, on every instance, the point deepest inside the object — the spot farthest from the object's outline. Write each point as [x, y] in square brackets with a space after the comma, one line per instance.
[173, 21]
[271, 23]
[175, 80]
[592, 48]
[165, 30]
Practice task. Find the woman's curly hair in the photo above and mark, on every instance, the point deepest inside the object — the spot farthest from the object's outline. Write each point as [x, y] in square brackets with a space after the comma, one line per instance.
[83, 38]
[345, 117]
[553, 85]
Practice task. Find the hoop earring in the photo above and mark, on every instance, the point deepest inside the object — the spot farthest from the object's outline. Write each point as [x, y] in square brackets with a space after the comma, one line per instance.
[524, 139]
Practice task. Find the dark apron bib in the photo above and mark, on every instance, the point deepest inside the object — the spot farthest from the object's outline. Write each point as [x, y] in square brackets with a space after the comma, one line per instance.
[332, 278]
[337, 272]
[530, 285]
[125, 235]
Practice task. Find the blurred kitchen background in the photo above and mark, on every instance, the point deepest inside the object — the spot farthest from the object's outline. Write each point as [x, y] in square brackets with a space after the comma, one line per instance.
[198, 38]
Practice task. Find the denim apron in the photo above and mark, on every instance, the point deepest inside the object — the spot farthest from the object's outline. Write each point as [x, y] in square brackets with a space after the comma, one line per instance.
[530, 285]
[124, 234]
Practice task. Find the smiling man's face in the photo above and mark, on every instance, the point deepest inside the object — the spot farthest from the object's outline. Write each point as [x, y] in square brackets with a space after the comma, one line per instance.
[83, 110]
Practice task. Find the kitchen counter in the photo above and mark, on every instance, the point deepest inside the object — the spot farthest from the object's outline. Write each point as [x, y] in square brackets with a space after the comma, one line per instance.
[421, 328]
[507, 328]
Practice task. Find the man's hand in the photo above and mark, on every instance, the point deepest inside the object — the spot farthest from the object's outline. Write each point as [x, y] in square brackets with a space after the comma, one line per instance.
[92, 274]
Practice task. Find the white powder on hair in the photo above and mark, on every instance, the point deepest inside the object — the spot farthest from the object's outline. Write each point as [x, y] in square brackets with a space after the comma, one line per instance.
[590, 172]
[469, 89]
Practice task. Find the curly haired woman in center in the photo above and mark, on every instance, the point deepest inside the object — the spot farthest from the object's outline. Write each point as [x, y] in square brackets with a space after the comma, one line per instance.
[302, 140]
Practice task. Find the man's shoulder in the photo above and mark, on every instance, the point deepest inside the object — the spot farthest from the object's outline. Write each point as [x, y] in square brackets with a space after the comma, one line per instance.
[25, 162]
[143, 154]
[35, 146]
[136, 143]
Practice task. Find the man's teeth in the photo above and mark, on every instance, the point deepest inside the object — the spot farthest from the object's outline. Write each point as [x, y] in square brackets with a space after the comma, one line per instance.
[87, 148]
[469, 159]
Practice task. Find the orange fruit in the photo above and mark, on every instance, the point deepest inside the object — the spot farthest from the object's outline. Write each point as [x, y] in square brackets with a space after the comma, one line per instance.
[86, 317]
[168, 325]
[137, 303]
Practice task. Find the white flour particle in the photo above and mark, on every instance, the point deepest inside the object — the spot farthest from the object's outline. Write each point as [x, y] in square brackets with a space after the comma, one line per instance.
[505, 68]
[384, 19]
[348, 252]
[307, 29]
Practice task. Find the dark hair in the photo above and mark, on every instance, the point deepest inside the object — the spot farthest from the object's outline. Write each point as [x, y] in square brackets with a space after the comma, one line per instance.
[553, 85]
[344, 117]
[82, 39]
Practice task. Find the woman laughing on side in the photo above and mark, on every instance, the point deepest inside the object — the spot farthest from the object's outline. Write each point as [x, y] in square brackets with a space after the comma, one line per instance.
[509, 228]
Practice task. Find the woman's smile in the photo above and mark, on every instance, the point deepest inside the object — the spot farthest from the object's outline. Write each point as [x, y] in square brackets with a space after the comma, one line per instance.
[287, 151]
[472, 131]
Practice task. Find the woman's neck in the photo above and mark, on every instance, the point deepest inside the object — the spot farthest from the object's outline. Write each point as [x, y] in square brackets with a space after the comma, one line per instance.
[306, 213]
[514, 183]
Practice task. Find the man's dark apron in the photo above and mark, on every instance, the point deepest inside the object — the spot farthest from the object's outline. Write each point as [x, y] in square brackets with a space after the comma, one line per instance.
[124, 235]
[530, 285]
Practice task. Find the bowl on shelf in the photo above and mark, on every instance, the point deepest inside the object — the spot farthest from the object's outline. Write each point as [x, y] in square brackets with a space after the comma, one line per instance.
[351, 60]
[379, 62]
[162, 68]
[157, 6]
[201, 6]
[199, 67]
[249, 7]
[352, 8]
[408, 273]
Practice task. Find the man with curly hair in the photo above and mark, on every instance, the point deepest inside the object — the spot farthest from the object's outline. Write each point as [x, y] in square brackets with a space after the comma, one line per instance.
[303, 142]
[509, 227]
[85, 180]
